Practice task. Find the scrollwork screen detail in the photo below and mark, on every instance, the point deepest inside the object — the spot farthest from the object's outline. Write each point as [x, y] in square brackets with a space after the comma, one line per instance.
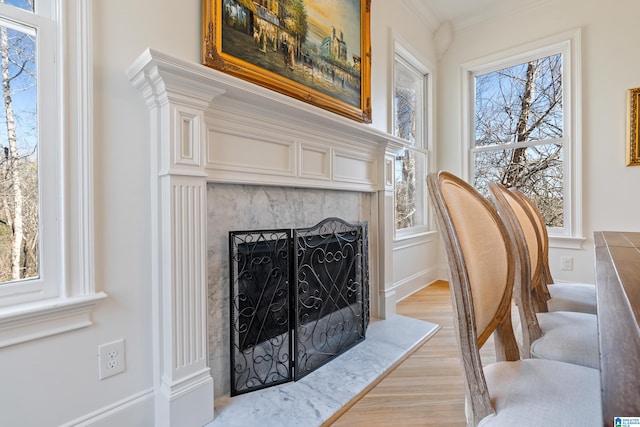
[299, 298]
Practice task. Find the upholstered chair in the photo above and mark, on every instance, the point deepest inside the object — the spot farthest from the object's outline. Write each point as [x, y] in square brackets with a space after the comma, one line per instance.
[558, 335]
[552, 296]
[482, 273]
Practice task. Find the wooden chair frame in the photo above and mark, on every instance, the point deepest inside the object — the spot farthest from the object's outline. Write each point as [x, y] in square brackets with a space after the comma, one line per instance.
[529, 261]
[548, 295]
[484, 266]
[470, 338]
[541, 292]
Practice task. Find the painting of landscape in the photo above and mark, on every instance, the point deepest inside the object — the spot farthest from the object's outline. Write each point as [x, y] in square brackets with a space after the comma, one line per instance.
[312, 50]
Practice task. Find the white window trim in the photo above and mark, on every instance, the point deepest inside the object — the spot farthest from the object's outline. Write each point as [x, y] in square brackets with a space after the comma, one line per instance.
[27, 22]
[568, 43]
[77, 296]
[418, 230]
[401, 48]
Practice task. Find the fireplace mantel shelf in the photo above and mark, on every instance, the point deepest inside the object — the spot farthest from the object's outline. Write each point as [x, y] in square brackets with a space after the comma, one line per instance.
[211, 82]
[218, 126]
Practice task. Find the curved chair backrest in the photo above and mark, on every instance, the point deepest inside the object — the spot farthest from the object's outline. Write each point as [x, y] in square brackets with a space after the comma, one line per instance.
[544, 236]
[481, 273]
[540, 291]
[515, 206]
[525, 236]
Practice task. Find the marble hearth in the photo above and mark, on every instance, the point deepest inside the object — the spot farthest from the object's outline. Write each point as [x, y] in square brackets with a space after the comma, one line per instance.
[321, 395]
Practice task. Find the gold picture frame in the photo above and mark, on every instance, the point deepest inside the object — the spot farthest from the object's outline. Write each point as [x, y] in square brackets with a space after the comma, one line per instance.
[316, 51]
[633, 127]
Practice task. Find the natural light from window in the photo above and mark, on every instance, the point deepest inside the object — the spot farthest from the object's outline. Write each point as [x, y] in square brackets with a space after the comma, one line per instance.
[19, 187]
[519, 136]
[409, 119]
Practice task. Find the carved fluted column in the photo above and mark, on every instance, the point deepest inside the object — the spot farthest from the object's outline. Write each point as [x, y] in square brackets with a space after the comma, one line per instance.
[386, 231]
[182, 380]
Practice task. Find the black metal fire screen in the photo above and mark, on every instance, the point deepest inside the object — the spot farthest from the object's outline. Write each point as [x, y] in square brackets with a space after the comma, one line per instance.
[260, 309]
[329, 297]
[299, 298]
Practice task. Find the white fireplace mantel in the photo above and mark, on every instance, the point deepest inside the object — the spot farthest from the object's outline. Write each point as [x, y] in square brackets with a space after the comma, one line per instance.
[207, 126]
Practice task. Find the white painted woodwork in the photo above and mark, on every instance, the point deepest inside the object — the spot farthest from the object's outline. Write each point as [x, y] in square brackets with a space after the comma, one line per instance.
[386, 211]
[207, 126]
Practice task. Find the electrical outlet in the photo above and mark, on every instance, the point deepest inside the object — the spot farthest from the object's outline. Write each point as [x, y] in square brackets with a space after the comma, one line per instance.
[566, 263]
[111, 359]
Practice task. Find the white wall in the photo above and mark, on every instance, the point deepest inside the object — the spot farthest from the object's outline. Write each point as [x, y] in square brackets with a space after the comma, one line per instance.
[414, 260]
[54, 381]
[610, 66]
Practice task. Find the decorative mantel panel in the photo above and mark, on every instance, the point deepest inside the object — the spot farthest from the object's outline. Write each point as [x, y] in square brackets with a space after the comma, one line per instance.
[207, 126]
[249, 144]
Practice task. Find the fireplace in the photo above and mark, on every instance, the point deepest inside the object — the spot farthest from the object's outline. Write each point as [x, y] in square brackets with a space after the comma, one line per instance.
[209, 129]
[299, 298]
[262, 208]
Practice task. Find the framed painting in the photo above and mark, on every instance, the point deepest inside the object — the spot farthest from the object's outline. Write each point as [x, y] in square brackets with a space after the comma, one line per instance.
[318, 51]
[633, 127]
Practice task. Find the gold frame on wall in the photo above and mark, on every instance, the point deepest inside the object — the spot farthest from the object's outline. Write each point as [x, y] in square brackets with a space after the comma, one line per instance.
[633, 127]
[310, 58]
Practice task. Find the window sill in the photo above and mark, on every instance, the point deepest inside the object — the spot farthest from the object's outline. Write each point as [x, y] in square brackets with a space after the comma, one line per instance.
[563, 242]
[32, 321]
[417, 237]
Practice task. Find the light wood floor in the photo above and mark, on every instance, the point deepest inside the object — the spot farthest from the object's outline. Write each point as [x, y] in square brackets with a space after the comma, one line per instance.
[427, 388]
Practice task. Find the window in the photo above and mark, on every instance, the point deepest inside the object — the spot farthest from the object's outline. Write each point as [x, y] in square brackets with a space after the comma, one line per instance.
[409, 125]
[45, 220]
[522, 133]
[25, 138]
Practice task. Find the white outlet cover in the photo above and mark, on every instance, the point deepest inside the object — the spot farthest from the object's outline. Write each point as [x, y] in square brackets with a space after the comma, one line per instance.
[566, 263]
[111, 359]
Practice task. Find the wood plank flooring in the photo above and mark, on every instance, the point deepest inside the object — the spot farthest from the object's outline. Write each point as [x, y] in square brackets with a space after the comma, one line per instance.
[427, 388]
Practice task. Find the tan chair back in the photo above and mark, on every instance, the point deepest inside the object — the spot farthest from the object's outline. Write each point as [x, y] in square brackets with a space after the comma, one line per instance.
[544, 237]
[525, 237]
[481, 273]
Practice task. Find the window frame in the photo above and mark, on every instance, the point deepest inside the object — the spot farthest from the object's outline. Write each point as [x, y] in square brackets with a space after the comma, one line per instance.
[38, 288]
[422, 146]
[567, 44]
[68, 295]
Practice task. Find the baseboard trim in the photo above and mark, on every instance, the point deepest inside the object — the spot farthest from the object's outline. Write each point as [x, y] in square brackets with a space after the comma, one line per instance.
[136, 409]
[412, 284]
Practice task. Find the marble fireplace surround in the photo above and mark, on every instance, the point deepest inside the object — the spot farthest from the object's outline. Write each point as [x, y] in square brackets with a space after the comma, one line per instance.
[235, 207]
[209, 130]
